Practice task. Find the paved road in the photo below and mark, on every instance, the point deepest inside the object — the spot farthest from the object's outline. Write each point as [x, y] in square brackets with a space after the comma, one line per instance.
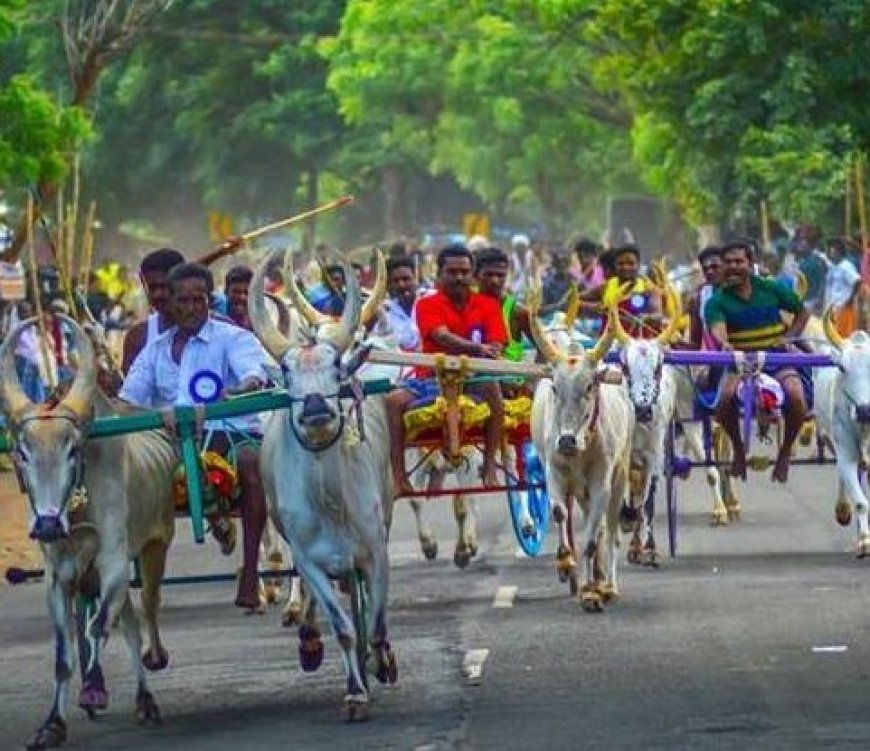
[755, 637]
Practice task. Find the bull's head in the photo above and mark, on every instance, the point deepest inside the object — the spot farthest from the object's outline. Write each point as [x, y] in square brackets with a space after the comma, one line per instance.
[315, 371]
[48, 439]
[643, 359]
[853, 357]
[575, 383]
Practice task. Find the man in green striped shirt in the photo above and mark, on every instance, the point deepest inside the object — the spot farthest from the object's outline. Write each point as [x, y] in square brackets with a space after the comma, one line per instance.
[746, 313]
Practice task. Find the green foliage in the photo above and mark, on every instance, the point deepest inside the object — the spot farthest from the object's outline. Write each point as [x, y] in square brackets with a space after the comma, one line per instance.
[735, 100]
[36, 133]
[495, 95]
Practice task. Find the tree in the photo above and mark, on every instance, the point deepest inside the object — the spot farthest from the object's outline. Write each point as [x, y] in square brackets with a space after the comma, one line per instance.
[498, 96]
[733, 101]
[94, 34]
[35, 133]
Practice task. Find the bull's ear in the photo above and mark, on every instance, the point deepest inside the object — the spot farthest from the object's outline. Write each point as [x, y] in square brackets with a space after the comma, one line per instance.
[353, 363]
[609, 375]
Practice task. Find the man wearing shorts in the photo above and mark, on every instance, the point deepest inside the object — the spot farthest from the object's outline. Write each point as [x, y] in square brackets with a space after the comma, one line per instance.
[456, 321]
[745, 313]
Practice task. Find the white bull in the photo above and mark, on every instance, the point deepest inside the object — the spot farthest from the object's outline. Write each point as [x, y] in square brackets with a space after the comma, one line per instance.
[326, 488]
[842, 405]
[652, 390]
[582, 431]
[94, 505]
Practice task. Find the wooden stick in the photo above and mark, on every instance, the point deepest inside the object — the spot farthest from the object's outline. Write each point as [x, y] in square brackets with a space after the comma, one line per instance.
[87, 253]
[454, 362]
[234, 243]
[37, 295]
[859, 195]
[847, 201]
[765, 228]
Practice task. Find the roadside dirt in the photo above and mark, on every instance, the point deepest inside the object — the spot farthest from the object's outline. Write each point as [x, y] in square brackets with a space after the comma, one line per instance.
[15, 547]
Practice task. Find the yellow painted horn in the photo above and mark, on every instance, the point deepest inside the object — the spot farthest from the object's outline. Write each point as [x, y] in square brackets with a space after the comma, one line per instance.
[378, 292]
[542, 341]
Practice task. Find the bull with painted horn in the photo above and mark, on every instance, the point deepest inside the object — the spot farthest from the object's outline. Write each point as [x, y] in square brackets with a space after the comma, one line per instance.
[582, 427]
[842, 404]
[326, 489]
[652, 388]
[94, 504]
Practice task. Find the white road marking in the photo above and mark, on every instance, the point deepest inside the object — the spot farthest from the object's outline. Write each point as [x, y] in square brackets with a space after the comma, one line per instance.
[831, 649]
[472, 663]
[504, 597]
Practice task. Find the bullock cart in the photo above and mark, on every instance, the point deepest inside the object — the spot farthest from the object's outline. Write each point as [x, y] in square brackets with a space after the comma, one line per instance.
[749, 366]
[448, 428]
[188, 422]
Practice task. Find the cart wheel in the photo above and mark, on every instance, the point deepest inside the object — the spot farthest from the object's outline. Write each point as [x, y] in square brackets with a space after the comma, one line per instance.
[359, 613]
[535, 497]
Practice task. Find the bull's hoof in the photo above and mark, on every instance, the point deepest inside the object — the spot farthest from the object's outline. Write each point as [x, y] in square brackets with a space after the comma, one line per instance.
[472, 549]
[356, 708]
[733, 511]
[147, 711]
[591, 600]
[50, 735]
[155, 659]
[270, 592]
[430, 549]
[608, 593]
[292, 615]
[634, 555]
[863, 548]
[565, 563]
[310, 649]
[93, 697]
[651, 558]
[843, 513]
[805, 437]
[719, 517]
[386, 669]
[462, 556]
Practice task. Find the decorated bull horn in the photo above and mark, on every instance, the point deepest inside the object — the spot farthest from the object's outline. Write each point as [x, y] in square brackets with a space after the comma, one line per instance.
[675, 314]
[602, 346]
[300, 302]
[275, 343]
[614, 323]
[80, 397]
[15, 401]
[378, 292]
[831, 330]
[341, 335]
[283, 313]
[542, 341]
[572, 307]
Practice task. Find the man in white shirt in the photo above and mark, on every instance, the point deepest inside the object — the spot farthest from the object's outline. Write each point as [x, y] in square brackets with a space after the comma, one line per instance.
[399, 309]
[196, 360]
[841, 287]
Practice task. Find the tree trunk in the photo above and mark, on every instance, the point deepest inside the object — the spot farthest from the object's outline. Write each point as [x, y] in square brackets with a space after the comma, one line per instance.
[391, 182]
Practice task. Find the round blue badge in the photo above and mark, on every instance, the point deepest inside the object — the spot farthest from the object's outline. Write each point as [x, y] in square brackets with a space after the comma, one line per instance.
[638, 302]
[205, 387]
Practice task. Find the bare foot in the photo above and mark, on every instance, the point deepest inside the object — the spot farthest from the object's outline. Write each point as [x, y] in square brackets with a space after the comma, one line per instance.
[738, 465]
[780, 469]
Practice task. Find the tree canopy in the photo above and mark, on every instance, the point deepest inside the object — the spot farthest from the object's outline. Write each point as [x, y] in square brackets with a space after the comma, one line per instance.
[533, 111]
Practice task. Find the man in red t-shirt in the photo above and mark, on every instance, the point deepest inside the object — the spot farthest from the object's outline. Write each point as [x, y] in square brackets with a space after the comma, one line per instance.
[456, 321]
